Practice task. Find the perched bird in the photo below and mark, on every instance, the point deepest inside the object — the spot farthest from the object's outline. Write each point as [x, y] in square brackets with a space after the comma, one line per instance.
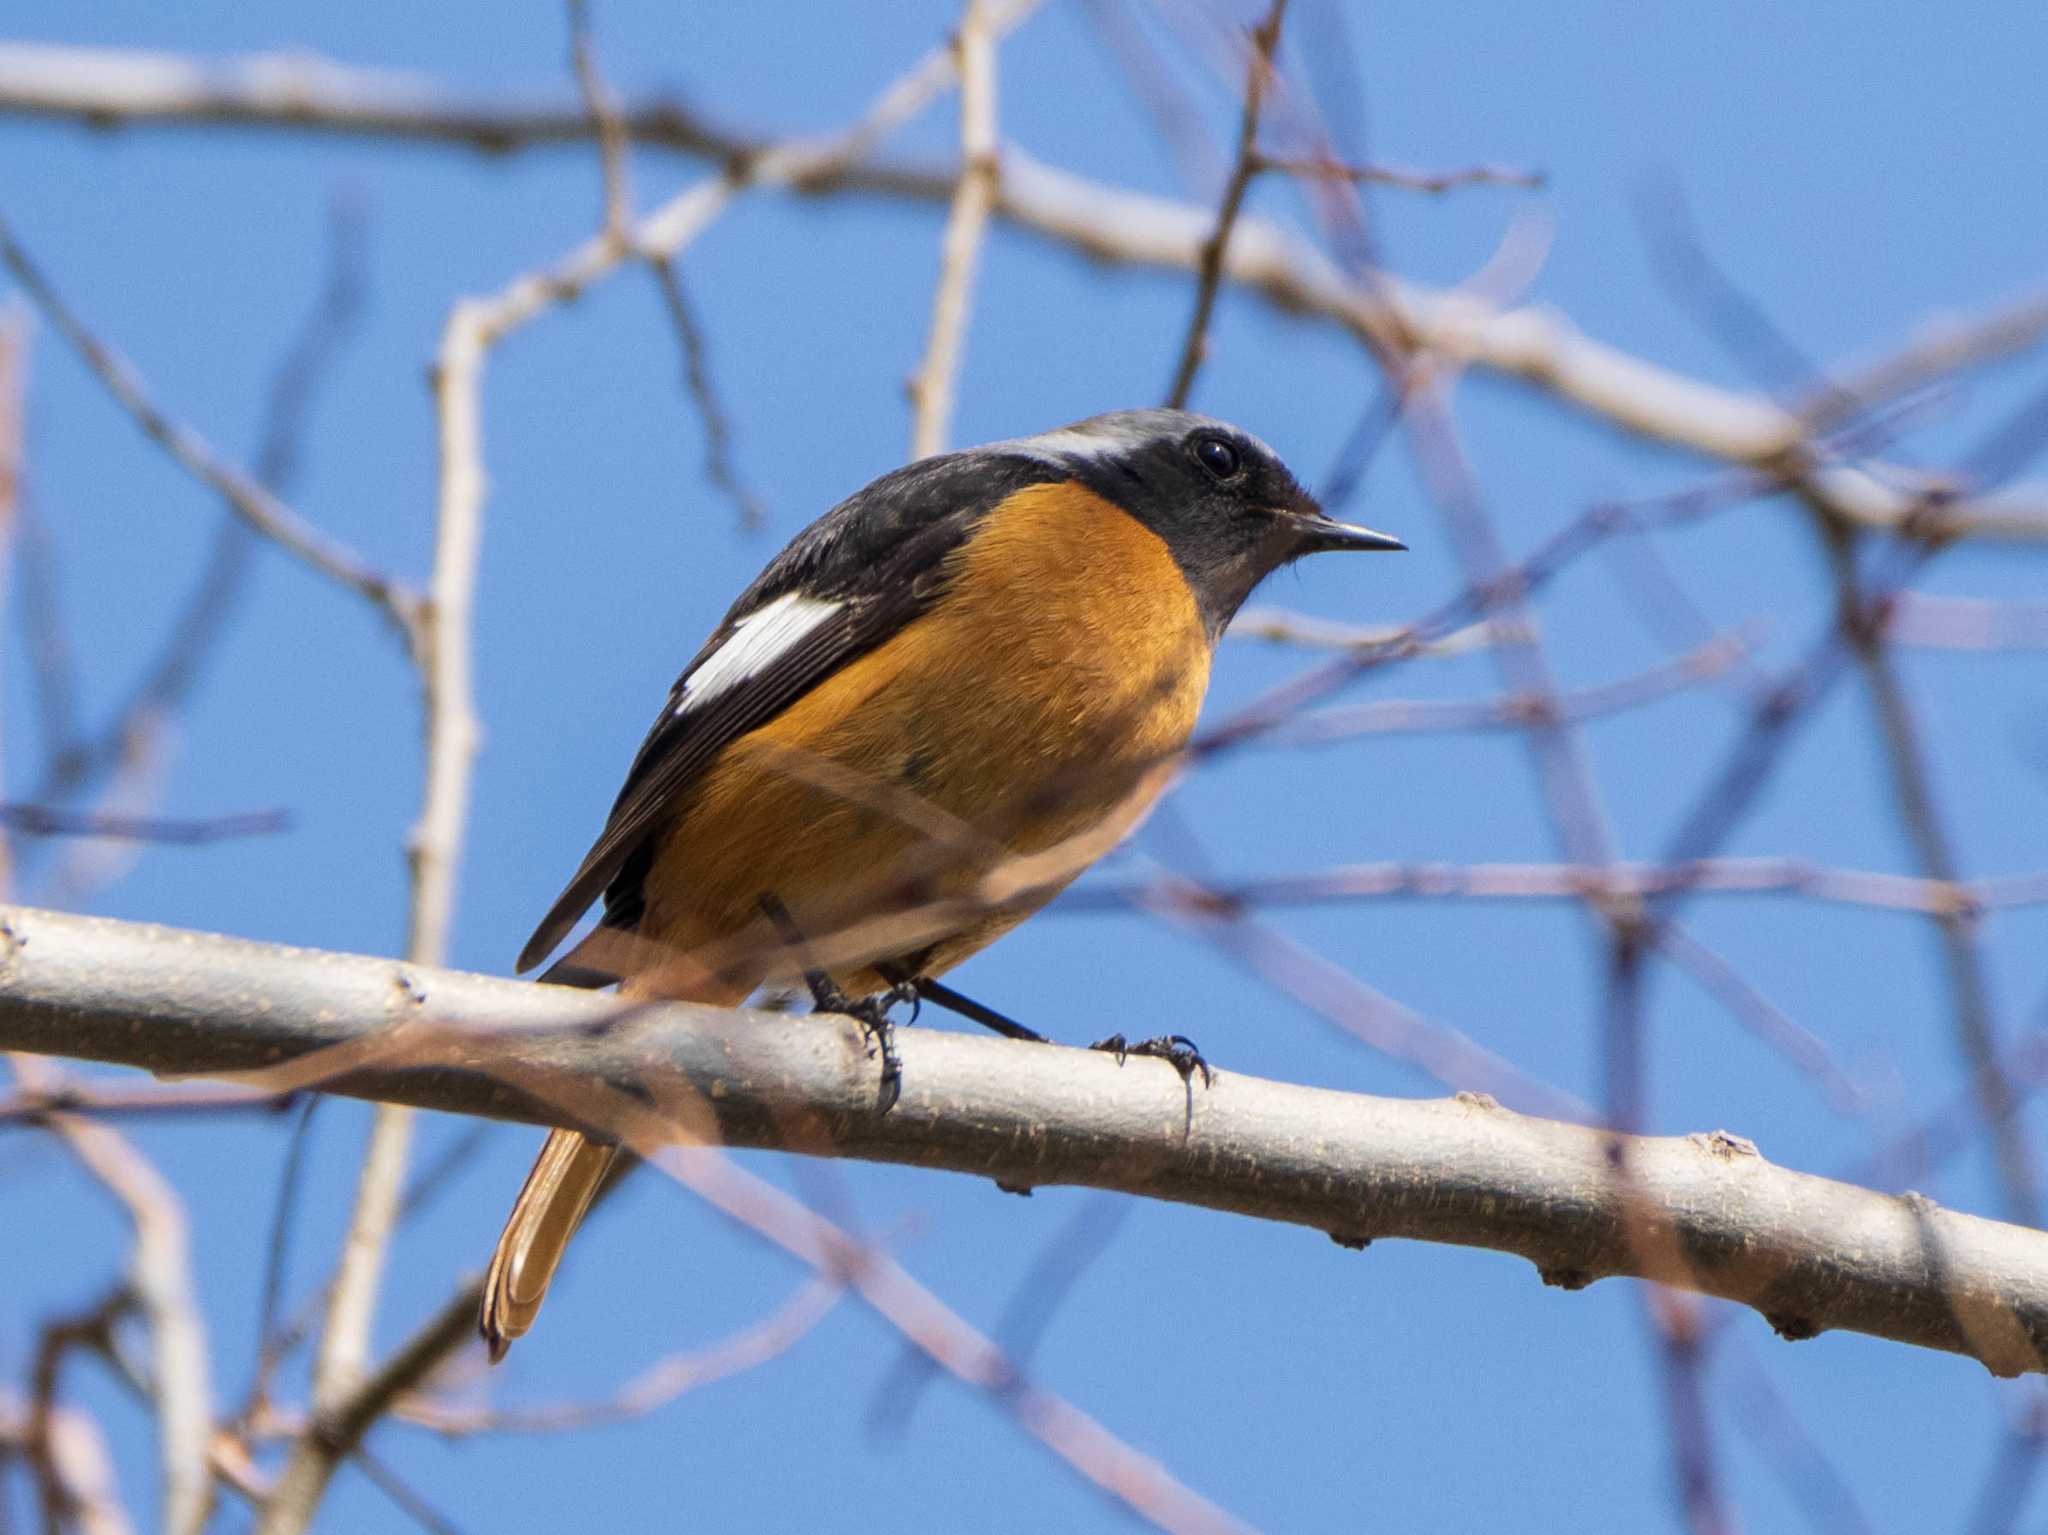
[931, 711]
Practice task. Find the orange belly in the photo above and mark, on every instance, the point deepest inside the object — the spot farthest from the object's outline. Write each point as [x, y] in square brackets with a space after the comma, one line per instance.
[929, 796]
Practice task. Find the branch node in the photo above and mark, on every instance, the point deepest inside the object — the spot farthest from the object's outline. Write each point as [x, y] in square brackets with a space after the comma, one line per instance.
[1793, 1329]
[1725, 1144]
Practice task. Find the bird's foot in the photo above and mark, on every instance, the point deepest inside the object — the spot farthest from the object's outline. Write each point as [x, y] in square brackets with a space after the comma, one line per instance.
[871, 1013]
[877, 1028]
[1177, 1050]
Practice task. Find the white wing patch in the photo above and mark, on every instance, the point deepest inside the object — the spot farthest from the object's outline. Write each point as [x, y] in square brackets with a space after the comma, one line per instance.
[756, 640]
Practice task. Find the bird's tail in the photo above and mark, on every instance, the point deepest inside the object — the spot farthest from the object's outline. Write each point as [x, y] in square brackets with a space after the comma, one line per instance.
[570, 1170]
[546, 1214]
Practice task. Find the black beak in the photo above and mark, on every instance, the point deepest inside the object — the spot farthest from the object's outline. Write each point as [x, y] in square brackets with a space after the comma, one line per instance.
[1319, 533]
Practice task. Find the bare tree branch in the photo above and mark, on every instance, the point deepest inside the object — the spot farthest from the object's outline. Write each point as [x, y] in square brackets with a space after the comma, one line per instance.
[113, 1099]
[1975, 1020]
[77, 1457]
[1810, 1254]
[611, 130]
[1406, 177]
[1533, 345]
[932, 387]
[443, 654]
[652, 1388]
[719, 468]
[54, 821]
[1265, 38]
[75, 759]
[160, 1280]
[244, 495]
[1519, 710]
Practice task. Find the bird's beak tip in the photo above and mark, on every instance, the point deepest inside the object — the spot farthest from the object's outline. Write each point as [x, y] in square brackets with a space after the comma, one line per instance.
[1328, 533]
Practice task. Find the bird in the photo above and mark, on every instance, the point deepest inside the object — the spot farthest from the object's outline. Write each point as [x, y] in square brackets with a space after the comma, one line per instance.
[926, 715]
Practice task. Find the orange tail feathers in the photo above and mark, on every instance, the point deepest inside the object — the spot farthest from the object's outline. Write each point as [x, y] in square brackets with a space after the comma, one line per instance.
[546, 1214]
[572, 1167]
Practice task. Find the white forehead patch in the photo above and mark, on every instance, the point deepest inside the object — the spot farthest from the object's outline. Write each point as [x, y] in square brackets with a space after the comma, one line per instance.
[756, 640]
[1118, 433]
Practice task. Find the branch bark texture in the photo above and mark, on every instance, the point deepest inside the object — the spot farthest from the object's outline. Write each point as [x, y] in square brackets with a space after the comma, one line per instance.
[1705, 1212]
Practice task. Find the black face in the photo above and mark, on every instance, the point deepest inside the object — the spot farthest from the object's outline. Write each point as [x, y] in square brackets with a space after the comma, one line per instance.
[1229, 510]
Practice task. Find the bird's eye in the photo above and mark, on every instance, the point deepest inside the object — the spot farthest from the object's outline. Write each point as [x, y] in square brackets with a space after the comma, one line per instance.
[1216, 456]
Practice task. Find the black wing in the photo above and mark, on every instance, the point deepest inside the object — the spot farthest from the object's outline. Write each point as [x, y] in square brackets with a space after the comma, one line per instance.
[880, 555]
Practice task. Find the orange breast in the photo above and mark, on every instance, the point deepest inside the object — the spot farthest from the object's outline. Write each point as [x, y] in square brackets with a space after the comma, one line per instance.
[1034, 707]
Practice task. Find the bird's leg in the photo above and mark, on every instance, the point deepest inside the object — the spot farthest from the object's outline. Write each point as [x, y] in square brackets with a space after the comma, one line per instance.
[871, 1013]
[953, 1002]
[1177, 1050]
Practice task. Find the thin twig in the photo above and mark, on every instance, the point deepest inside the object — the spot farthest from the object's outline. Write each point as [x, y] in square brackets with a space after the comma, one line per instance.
[1209, 261]
[2014, 1471]
[1176, 120]
[307, 363]
[1792, 877]
[1407, 178]
[1520, 710]
[244, 495]
[933, 386]
[1040, 1291]
[612, 137]
[1800, 1048]
[1975, 1025]
[53, 821]
[403, 1494]
[277, 1255]
[96, 1099]
[651, 1388]
[719, 468]
[1760, 1412]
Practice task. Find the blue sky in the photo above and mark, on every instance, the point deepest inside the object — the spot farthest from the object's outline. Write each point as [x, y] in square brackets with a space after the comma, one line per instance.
[1855, 167]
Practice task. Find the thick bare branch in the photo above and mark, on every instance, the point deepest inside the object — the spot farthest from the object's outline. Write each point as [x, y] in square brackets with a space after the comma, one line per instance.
[1810, 1254]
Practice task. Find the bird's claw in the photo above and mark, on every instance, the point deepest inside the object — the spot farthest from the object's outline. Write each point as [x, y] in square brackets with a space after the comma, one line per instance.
[879, 1030]
[1177, 1050]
